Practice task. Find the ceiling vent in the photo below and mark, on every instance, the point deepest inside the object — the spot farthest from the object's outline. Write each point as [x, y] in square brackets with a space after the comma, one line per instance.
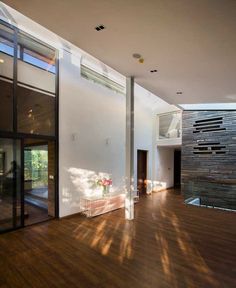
[100, 27]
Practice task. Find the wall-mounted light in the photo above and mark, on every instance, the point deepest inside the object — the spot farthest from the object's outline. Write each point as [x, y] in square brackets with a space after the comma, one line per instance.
[1, 61]
[74, 137]
[108, 141]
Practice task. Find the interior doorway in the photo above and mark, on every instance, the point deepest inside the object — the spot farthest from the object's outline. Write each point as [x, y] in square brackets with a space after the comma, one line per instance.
[39, 185]
[177, 168]
[142, 172]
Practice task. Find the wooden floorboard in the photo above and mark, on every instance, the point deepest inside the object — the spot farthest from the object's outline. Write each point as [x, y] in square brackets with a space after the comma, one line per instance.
[169, 244]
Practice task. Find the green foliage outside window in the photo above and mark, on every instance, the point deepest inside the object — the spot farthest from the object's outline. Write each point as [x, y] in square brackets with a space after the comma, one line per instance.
[36, 167]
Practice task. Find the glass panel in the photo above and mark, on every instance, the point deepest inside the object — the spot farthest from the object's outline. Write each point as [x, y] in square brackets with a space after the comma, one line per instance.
[10, 183]
[36, 88]
[39, 185]
[38, 60]
[36, 112]
[6, 78]
[169, 125]
[36, 64]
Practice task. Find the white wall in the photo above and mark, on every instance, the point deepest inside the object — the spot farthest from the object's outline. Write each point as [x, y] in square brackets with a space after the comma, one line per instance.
[92, 134]
[163, 153]
[143, 130]
[164, 168]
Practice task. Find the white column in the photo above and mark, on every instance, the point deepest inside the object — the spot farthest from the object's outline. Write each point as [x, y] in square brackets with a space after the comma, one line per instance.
[129, 200]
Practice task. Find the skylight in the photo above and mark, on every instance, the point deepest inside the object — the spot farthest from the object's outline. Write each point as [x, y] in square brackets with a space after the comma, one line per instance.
[209, 106]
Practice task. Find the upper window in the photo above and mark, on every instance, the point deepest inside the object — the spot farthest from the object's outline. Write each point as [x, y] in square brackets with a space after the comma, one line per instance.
[99, 73]
[45, 59]
[210, 106]
[6, 78]
[170, 125]
[35, 84]
[6, 46]
[35, 53]
[37, 60]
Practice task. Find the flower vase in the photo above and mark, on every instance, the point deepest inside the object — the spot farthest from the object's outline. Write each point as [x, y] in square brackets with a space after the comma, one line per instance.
[105, 190]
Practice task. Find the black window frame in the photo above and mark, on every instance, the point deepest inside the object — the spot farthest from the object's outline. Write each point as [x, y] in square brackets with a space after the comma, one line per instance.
[14, 134]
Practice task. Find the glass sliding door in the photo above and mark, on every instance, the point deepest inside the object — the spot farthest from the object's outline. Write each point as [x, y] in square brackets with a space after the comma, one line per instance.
[10, 184]
[39, 183]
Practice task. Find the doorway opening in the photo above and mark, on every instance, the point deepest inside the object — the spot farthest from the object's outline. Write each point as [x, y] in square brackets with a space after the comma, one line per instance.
[177, 168]
[39, 186]
[142, 172]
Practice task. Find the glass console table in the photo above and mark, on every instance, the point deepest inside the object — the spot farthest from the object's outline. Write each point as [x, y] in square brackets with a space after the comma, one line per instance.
[94, 205]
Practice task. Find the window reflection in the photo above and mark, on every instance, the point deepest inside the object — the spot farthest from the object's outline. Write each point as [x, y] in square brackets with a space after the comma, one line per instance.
[10, 177]
[36, 112]
[6, 78]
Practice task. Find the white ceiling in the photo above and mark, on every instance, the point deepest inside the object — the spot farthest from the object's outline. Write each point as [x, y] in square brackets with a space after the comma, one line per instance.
[192, 43]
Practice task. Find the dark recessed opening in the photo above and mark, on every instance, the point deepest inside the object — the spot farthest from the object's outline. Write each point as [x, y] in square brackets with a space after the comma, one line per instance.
[203, 124]
[213, 130]
[209, 143]
[209, 119]
[202, 153]
[218, 148]
[200, 148]
[153, 71]
[207, 127]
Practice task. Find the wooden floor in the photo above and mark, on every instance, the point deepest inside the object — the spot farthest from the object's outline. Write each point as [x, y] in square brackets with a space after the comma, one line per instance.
[168, 245]
[35, 214]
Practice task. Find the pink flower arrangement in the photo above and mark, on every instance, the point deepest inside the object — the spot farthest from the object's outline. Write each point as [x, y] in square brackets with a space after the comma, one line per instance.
[105, 183]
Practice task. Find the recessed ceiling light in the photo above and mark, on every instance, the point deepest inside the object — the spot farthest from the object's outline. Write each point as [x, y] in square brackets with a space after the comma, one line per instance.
[100, 27]
[137, 56]
[179, 92]
[153, 71]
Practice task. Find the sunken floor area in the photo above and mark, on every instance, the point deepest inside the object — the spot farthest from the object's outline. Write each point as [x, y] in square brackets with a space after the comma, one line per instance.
[169, 244]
